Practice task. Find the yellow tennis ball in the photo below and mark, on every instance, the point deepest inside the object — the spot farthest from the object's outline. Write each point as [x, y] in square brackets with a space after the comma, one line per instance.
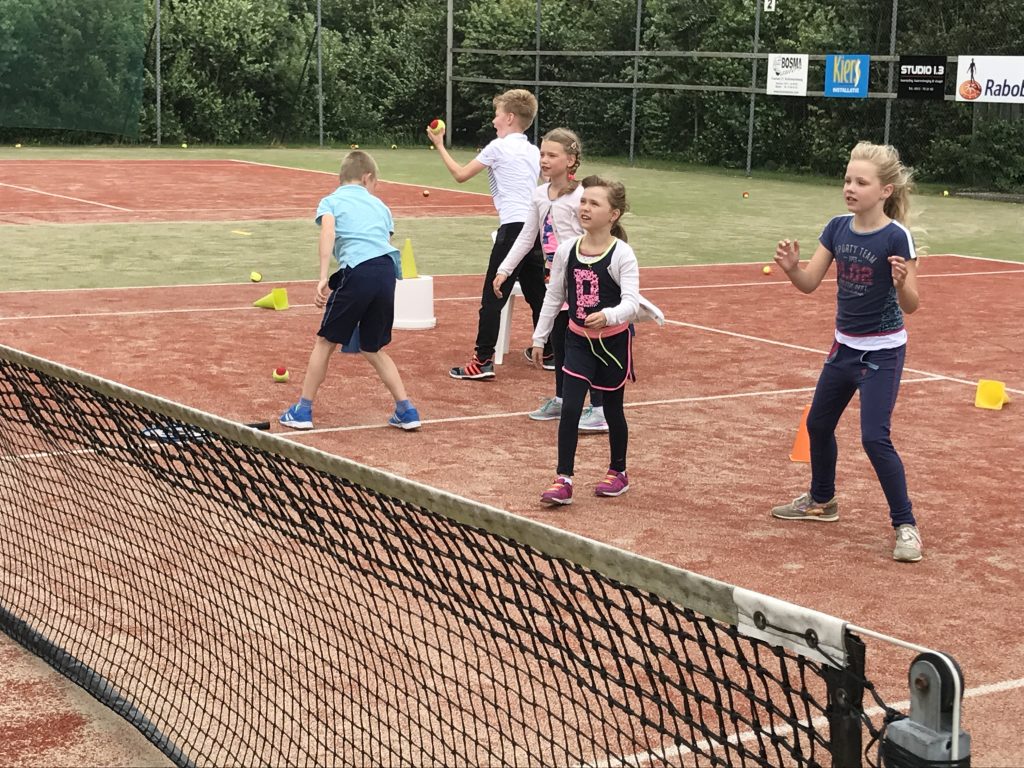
[394, 146]
[255, 276]
[945, 192]
[767, 269]
[436, 126]
[17, 146]
[281, 374]
[184, 146]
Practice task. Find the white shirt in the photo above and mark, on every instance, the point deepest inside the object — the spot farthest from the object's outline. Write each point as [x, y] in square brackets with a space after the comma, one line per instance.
[513, 167]
[565, 219]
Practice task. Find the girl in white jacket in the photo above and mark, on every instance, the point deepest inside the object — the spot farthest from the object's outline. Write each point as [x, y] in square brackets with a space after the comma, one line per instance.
[554, 216]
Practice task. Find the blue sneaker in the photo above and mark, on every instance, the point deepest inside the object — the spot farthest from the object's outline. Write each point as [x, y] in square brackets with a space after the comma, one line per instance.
[408, 420]
[297, 417]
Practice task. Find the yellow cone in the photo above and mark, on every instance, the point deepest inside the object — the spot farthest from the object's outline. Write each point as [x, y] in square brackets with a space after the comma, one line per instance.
[276, 299]
[991, 395]
[408, 261]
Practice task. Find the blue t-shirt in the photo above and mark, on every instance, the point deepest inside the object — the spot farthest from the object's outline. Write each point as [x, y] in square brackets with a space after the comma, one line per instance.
[362, 226]
[866, 301]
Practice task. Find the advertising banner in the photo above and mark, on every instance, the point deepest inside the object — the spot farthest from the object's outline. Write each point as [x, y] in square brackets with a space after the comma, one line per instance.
[787, 74]
[922, 77]
[846, 75]
[990, 78]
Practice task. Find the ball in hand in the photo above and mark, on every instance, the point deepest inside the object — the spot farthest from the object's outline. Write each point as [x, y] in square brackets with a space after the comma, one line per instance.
[255, 276]
[281, 374]
[436, 126]
[767, 269]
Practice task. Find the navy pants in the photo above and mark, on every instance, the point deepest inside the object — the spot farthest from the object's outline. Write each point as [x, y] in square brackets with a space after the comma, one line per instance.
[575, 393]
[876, 375]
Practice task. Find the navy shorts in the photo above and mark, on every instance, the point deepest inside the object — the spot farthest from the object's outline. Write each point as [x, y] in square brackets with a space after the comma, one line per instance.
[363, 298]
[604, 363]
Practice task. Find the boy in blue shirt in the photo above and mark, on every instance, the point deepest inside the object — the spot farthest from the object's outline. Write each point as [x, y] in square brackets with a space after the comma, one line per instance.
[355, 228]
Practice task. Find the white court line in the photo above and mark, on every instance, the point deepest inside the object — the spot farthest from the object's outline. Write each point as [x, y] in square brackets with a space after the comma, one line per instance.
[641, 758]
[639, 404]
[139, 312]
[66, 197]
[46, 455]
[480, 274]
[387, 181]
[826, 280]
[802, 348]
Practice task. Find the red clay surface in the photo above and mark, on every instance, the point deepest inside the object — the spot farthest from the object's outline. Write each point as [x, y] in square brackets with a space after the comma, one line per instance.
[712, 417]
[94, 191]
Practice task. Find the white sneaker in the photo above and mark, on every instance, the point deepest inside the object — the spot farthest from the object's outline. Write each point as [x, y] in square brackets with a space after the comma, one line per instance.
[592, 420]
[908, 544]
[549, 410]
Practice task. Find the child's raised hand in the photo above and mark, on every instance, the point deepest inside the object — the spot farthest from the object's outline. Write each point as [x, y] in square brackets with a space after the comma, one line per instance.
[436, 137]
[899, 271]
[499, 280]
[787, 255]
[322, 292]
[596, 320]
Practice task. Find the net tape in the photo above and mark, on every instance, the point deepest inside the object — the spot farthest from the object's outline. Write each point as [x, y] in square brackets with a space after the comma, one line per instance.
[240, 598]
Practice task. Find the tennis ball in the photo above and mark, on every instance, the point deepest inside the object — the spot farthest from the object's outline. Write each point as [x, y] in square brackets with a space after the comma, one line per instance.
[767, 269]
[426, 193]
[945, 192]
[184, 146]
[281, 374]
[394, 146]
[746, 195]
[436, 126]
[255, 276]
[431, 146]
[353, 146]
[17, 146]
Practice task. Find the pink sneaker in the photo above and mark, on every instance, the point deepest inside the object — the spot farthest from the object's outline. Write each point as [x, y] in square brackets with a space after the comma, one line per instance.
[614, 484]
[560, 492]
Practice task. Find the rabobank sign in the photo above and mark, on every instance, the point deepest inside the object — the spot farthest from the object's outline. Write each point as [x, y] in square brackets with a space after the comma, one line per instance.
[846, 75]
[990, 78]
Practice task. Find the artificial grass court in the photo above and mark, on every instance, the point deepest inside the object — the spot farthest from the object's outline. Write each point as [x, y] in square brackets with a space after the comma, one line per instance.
[678, 217]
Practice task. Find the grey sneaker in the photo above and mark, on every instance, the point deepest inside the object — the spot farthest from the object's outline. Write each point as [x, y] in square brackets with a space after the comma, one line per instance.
[908, 544]
[803, 507]
[592, 420]
[549, 410]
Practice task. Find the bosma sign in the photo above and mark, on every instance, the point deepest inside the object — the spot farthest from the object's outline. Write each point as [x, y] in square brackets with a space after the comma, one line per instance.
[990, 78]
[846, 75]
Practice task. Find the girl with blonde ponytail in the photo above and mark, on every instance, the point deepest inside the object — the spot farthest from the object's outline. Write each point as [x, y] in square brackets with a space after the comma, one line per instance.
[876, 276]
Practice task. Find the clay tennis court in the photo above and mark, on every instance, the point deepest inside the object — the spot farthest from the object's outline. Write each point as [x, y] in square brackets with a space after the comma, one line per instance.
[120, 191]
[712, 417]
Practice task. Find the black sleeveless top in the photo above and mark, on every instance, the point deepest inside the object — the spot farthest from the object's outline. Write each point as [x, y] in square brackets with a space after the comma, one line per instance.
[589, 286]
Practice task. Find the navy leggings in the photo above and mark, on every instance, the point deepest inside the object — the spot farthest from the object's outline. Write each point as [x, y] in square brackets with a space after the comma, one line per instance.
[876, 375]
[575, 392]
[558, 348]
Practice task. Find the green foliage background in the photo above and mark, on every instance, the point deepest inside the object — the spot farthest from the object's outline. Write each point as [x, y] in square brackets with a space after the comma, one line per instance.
[244, 71]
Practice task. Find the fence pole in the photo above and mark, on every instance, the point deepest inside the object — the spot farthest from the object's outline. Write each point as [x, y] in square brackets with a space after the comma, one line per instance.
[753, 83]
[636, 73]
[320, 68]
[892, 68]
[448, 74]
[536, 76]
[156, 67]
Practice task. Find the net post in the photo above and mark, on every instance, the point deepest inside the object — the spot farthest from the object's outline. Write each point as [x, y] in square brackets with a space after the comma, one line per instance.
[845, 704]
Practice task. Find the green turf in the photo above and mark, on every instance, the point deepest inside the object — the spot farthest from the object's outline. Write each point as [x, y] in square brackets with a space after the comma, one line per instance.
[685, 216]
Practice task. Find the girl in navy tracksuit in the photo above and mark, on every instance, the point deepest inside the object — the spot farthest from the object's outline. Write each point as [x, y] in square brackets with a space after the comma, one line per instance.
[876, 270]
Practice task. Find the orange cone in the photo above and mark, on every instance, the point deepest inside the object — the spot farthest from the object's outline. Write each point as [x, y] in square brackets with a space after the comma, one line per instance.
[802, 445]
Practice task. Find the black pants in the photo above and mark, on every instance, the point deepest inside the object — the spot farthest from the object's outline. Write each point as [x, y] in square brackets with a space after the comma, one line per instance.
[529, 273]
[568, 425]
[558, 349]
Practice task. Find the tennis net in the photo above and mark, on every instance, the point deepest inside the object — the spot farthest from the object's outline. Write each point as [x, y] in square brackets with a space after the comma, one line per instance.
[241, 599]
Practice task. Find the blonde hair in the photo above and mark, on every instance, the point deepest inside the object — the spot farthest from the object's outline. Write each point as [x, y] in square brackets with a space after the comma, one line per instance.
[616, 191]
[891, 170]
[518, 102]
[356, 165]
[572, 145]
